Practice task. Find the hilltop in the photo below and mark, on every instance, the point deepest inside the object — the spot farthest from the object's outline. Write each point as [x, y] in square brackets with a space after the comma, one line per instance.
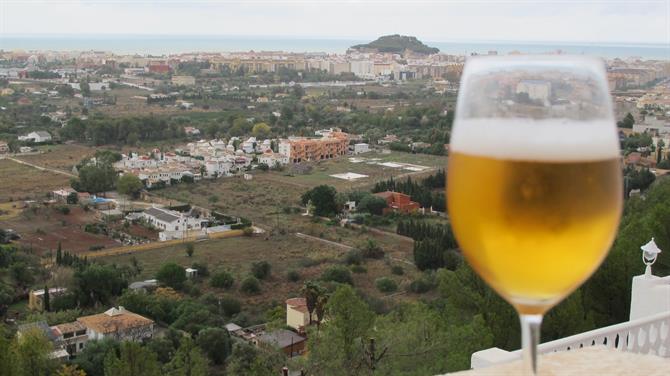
[396, 44]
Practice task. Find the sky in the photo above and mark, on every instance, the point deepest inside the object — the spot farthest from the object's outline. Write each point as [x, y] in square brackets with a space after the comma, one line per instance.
[614, 21]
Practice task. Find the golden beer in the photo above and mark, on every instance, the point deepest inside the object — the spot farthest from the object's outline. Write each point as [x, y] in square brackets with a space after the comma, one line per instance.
[533, 230]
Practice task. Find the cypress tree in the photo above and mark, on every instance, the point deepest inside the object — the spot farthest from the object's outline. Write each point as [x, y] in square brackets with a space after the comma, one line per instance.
[46, 300]
[59, 254]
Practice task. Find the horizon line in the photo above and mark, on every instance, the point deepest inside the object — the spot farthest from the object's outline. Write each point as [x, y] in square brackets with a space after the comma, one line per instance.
[339, 38]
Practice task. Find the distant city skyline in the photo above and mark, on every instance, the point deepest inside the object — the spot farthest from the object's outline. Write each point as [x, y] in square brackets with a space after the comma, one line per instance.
[568, 21]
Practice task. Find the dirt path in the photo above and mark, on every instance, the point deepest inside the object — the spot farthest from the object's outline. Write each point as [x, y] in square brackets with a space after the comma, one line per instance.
[42, 168]
[347, 247]
[335, 244]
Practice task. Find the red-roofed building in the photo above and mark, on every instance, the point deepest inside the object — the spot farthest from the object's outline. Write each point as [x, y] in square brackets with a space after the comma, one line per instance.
[398, 202]
[297, 315]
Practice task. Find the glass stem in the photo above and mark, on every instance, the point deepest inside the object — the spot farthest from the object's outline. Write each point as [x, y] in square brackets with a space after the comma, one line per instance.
[530, 338]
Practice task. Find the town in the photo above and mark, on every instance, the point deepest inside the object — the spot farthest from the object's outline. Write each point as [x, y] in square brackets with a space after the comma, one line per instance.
[260, 212]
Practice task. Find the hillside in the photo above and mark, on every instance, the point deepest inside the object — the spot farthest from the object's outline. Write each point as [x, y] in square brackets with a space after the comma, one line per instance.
[396, 44]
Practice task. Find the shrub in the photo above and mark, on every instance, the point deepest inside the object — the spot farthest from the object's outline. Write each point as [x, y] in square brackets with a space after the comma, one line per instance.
[172, 275]
[203, 271]
[359, 269]
[337, 273]
[190, 248]
[248, 231]
[421, 285]
[222, 279]
[250, 285]
[63, 209]
[386, 284]
[261, 269]
[397, 270]
[230, 305]
[293, 276]
[371, 249]
[353, 257]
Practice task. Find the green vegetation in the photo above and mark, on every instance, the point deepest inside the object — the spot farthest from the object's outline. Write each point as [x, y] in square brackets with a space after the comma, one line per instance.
[222, 279]
[397, 44]
[172, 275]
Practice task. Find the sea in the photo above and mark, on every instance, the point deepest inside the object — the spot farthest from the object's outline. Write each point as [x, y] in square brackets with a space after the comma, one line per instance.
[173, 44]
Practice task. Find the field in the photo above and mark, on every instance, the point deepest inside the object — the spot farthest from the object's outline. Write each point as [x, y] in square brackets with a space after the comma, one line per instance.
[24, 182]
[265, 198]
[42, 228]
[59, 157]
[284, 252]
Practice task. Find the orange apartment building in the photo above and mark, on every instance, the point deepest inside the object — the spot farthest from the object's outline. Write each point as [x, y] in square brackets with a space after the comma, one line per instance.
[315, 149]
[398, 202]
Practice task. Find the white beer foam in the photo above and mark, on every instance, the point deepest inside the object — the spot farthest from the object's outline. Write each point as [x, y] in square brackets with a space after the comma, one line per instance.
[549, 140]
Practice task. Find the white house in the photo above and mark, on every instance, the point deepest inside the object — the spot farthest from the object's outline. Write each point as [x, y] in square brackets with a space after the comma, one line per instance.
[37, 137]
[361, 148]
[216, 167]
[249, 146]
[272, 159]
[119, 324]
[172, 224]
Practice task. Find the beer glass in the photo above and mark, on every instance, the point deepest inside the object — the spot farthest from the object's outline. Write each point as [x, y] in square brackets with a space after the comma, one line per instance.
[534, 179]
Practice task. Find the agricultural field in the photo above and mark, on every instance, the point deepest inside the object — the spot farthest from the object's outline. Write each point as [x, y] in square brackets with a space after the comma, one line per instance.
[24, 182]
[265, 198]
[59, 157]
[42, 228]
[284, 252]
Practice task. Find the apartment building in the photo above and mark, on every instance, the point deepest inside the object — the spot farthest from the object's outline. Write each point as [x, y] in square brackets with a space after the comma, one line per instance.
[314, 149]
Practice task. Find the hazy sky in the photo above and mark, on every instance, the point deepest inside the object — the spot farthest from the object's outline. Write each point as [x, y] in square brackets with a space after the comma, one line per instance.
[552, 21]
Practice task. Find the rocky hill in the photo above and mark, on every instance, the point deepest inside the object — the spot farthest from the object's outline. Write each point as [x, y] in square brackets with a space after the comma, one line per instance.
[396, 44]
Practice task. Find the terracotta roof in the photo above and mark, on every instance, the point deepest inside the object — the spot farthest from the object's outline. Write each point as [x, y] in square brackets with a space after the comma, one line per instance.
[70, 327]
[114, 320]
[298, 304]
[386, 194]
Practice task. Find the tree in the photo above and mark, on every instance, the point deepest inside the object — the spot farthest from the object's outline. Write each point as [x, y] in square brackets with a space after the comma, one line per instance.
[339, 349]
[187, 361]
[46, 299]
[95, 179]
[250, 285]
[130, 185]
[386, 285]
[248, 359]
[190, 248]
[133, 360]
[215, 343]
[337, 273]
[261, 269]
[659, 151]
[372, 204]
[97, 284]
[59, 254]
[627, 122]
[261, 130]
[92, 358]
[85, 88]
[222, 279]
[32, 354]
[70, 370]
[8, 359]
[311, 291]
[172, 275]
[323, 199]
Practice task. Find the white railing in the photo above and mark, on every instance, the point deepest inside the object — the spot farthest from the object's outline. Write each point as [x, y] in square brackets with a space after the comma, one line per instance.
[649, 335]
